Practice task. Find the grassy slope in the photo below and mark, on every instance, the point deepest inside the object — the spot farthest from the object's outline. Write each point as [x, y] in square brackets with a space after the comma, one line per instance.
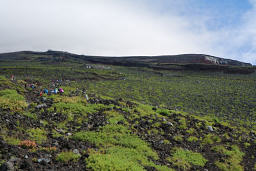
[119, 134]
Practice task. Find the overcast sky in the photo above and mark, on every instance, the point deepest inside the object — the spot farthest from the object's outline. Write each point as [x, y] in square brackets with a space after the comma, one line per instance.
[224, 28]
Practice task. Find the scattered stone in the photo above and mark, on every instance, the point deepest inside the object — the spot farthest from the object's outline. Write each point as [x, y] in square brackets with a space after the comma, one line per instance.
[76, 151]
[164, 119]
[69, 134]
[56, 143]
[210, 128]
[89, 126]
[26, 156]
[169, 123]
[44, 160]
[41, 106]
[48, 156]
[86, 96]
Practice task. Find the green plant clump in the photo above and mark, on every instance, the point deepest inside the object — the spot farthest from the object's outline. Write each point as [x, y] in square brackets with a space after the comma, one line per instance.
[233, 160]
[12, 140]
[67, 156]
[120, 146]
[211, 139]
[192, 139]
[10, 99]
[39, 135]
[184, 158]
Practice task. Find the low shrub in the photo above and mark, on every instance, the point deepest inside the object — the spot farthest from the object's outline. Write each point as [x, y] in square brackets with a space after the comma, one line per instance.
[27, 144]
[67, 156]
[10, 99]
[183, 159]
[38, 135]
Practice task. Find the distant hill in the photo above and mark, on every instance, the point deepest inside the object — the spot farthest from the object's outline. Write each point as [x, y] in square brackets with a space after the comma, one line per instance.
[166, 62]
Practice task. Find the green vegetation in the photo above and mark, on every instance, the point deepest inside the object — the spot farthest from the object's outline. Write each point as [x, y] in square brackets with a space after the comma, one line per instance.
[192, 139]
[133, 117]
[182, 123]
[10, 99]
[120, 158]
[234, 157]
[178, 138]
[37, 134]
[116, 135]
[67, 156]
[30, 115]
[12, 140]
[211, 139]
[121, 150]
[183, 159]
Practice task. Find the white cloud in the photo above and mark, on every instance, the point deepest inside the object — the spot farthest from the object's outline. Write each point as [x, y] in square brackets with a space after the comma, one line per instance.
[114, 27]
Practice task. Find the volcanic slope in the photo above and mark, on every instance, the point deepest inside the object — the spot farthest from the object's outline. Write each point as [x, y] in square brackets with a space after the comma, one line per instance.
[66, 131]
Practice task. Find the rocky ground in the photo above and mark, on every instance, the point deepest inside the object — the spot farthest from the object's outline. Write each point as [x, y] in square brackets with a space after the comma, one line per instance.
[63, 132]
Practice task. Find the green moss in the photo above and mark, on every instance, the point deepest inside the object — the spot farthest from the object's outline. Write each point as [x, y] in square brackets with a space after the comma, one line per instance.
[190, 131]
[164, 112]
[211, 139]
[76, 108]
[68, 108]
[153, 131]
[10, 99]
[178, 138]
[115, 117]
[182, 123]
[30, 115]
[119, 158]
[67, 156]
[246, 144]
[66, 99]
[108, 162]
[44, 122]
[157, 124]
[118, 143]
[192, 139]
[183, 159]
[38, 135]
[115, 135]
[233, 160]
[12, 140]
[144, 110]
[55, 134]
[166, 142]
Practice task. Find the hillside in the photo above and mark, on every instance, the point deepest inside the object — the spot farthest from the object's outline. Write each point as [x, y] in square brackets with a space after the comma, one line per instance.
[67, 131]
[116, 117]
[167, 62]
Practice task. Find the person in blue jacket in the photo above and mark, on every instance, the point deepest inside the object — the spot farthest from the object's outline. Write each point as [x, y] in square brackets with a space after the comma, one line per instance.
[55, 91]
[46, 91]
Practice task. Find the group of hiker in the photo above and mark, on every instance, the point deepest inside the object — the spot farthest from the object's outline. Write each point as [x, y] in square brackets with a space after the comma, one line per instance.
[33, 86]
[53, 91]
[55, 88]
